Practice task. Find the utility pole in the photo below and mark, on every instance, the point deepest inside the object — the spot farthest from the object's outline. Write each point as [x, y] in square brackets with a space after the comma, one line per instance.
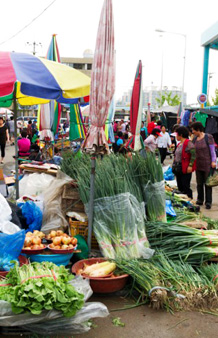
[34, 44]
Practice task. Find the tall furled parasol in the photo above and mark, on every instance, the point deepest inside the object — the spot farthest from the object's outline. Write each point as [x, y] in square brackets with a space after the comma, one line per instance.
[102, 91]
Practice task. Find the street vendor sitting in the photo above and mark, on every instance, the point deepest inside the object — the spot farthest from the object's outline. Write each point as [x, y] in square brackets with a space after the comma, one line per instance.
[24, 145]
[35, 153]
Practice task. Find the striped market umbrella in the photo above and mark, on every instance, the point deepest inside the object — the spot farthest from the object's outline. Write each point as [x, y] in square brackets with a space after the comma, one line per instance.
[53, 55]
[31, 80]
[102, 82]
[148, 114]
[77, 130]
[34, 80]
[136, 142]
[109, 131]
[180, 109]
[49, 114]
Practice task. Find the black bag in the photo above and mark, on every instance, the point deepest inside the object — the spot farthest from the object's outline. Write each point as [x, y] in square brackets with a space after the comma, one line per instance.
[177, 168]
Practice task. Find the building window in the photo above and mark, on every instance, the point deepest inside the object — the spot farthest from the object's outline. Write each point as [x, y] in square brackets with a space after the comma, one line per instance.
[89, 66]
[78, 66]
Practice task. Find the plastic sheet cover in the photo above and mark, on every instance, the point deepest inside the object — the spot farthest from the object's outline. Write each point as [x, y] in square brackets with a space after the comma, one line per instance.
[119, 227]
[155, 197]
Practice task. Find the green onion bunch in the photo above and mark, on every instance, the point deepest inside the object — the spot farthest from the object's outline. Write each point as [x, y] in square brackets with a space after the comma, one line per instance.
[180, 241]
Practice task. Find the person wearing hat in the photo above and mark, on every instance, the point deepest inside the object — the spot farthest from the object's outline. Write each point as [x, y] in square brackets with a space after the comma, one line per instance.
[151, 141]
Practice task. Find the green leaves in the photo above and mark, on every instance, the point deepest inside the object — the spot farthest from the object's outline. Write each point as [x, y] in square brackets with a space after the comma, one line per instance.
[36, 294]
[117, 322]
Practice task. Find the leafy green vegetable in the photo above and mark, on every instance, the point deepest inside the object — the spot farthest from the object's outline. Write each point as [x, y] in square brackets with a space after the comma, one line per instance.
[37, 287]
[117, 322]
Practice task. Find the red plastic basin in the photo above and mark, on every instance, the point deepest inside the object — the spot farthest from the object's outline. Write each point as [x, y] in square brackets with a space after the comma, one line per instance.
[101, 285]
[22, 259]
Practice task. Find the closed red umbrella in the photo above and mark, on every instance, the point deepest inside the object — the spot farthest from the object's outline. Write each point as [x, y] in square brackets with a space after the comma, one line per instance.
[136, 141]
[102, 82]
[102, 91]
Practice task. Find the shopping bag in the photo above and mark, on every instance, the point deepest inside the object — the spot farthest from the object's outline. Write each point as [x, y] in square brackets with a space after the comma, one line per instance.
[212, 180]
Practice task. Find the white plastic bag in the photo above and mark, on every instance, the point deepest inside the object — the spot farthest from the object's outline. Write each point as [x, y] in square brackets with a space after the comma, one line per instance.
[9, 228]
[35, 184]
[5, 209]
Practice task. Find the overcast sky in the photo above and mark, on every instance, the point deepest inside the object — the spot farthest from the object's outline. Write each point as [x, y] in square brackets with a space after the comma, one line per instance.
[76, 21]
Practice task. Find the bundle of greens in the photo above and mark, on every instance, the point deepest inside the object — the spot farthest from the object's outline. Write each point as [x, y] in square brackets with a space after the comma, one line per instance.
[119, 213]
[210, 272]
[41, 286]
[180, 241]
[171, 285]
[149, 176]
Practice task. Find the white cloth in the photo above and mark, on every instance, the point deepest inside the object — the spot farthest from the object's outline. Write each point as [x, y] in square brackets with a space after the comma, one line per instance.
[164, 141]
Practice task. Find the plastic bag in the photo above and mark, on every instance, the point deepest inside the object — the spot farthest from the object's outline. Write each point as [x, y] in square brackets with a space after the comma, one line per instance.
[5, 210]
[119, 227]
[33, 215]
[53, 218]
[35, 184]
[155, 197]
[38, 200]
[212, 180]
[168, 175]
[169, 209]
[9, 228]
[10, 248]
[74, 325]
[52, 322]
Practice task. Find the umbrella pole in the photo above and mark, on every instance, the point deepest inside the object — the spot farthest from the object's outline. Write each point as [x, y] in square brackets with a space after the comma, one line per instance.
[91, 202]
[16, 147]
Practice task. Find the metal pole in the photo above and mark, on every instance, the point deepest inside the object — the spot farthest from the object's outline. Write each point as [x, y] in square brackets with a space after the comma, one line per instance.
[162, 62]
[16, 147]
[183, 79]
[91, 202]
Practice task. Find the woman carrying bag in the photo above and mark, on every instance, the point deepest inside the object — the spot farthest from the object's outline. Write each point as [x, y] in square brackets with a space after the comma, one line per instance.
[184, 161]
[205, 162]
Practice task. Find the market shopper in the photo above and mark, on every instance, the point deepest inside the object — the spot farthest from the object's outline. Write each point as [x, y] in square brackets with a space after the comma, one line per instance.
[11, 129]
[143, 131]
[205, 162]
[4, 136]
[24, 145]
[151, 141]
[184, 161]
[29, 130]
[163, 143]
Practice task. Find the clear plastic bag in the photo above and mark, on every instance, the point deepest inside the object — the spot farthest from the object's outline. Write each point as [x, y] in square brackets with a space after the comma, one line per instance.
[10, 248]
[155, 197]
[119, 227]
[212, 180]
[53, 218]
[74, 325]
